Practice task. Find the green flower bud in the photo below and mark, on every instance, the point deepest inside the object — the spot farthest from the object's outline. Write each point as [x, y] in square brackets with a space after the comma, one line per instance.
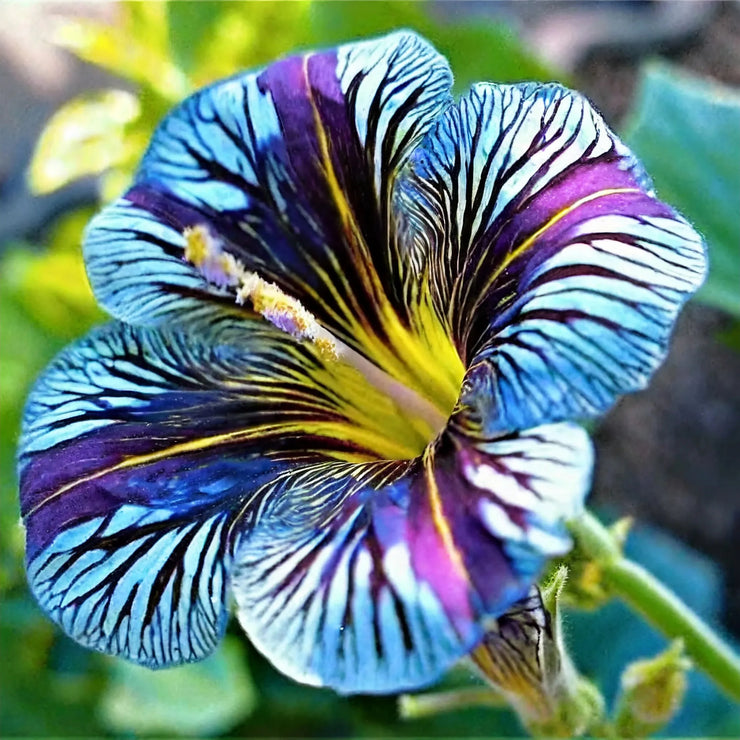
[652, 692]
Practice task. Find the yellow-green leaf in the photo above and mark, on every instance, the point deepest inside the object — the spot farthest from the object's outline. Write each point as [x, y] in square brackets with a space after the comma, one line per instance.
[135, 47]
[243, 36]
[52, 286]
[84, 137]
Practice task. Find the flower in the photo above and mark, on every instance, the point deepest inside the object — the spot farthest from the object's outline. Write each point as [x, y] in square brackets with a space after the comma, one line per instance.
[352, 321]
[523, 657]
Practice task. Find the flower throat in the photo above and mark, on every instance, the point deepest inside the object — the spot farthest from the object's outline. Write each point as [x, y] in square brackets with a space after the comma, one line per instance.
[390, 418]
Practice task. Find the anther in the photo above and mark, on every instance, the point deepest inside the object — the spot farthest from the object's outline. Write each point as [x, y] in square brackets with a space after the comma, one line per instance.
[205, 251]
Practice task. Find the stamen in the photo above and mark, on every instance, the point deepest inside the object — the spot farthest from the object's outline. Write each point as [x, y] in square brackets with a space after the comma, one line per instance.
[285, 312]
[205, 252]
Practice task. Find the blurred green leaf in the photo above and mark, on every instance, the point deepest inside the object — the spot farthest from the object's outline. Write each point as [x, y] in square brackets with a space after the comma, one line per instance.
[686, 131]
[242, 36]
[205, 698]
[189, 24]
[135, 46]
[84, 137]
[35, 699]
[51, 285]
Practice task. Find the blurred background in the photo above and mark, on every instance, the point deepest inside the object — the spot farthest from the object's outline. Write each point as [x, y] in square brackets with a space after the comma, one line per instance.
[82, 87]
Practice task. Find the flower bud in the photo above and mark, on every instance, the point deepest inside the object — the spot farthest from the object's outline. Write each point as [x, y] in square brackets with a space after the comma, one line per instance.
[524, 659]
[652, 692]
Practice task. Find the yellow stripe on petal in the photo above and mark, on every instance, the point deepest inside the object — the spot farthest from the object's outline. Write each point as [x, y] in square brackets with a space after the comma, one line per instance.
[438, 517]
[363, 438]
[422, 356]
[532, 238]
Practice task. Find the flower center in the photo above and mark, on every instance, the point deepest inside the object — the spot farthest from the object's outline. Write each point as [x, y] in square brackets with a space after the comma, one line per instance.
[390, 418]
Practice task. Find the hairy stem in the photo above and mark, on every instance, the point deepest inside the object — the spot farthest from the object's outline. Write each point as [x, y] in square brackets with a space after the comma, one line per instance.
[658, 604]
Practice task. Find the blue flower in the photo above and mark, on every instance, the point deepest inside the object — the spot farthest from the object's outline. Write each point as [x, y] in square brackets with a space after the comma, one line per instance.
[353, 320]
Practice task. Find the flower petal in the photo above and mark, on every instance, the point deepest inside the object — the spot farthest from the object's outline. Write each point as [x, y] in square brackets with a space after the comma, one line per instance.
[376, 577]
[156, 471]
[139, 452]
[290, 170]
[520, 656]
[559, 272]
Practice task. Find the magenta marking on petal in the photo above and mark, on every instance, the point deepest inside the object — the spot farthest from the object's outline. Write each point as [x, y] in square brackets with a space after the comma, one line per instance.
[432, 565]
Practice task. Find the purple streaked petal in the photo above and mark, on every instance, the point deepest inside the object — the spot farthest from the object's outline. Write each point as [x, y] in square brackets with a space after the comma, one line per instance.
[128, 538]
[139, 454]
[158, 471]
[377, 577]
[559, 272]
[292, 169]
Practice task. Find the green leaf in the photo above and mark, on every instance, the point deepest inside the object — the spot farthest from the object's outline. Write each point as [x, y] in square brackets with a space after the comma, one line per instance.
[135, 46]
[243, 36]
[84, 137]
[686, 131]
[38, 697]
[188, 25]
[205, 698]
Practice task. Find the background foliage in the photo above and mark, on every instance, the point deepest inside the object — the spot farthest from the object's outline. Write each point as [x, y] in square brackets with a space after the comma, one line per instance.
[681, 129]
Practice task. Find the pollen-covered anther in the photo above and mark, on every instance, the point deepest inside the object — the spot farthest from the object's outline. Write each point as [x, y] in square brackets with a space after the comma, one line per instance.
[328, 348]
[285, 312]
[205, 251]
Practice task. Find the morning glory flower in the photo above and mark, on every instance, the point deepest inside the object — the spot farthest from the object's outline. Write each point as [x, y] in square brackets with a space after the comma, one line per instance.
[355, 321]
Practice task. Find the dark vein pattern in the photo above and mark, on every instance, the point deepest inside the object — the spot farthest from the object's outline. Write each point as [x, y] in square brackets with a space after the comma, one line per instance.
[292, 168]
[141, 453]
[149, 584]
[559, 272]
[376, 577]
[158, 471]
[505, 254]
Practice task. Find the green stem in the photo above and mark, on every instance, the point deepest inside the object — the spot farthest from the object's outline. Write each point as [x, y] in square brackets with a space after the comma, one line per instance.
[415, 706]
[659, 605]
